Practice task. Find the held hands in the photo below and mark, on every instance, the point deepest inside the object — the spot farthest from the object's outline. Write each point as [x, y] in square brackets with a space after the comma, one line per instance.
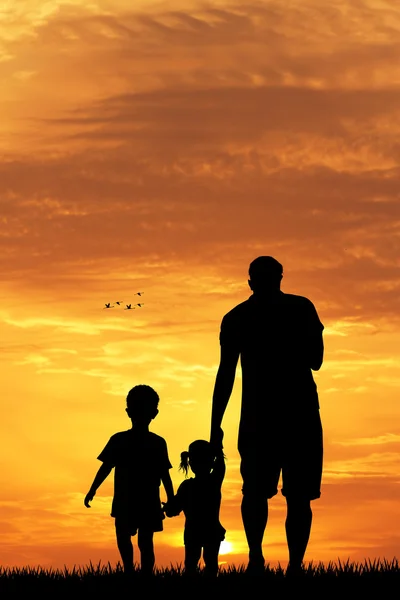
[168, 509]
[88, 498]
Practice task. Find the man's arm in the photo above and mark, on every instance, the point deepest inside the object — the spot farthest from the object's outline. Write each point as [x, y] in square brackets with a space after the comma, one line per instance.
[219, 468]
[316, 352]
[314, 340]
[101, 475]
[224, 382]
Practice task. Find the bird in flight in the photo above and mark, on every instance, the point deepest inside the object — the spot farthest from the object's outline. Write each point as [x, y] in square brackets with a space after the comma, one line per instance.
[127, 306]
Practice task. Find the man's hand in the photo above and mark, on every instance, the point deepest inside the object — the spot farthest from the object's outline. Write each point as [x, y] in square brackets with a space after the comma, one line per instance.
[88, 498]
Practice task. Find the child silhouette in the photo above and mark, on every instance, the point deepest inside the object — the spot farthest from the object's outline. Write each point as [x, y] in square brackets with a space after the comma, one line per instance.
[199, 498]
[141, 463]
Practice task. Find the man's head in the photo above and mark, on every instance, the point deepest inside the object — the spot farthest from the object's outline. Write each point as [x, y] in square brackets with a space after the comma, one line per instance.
[142, 403]
[265, 274]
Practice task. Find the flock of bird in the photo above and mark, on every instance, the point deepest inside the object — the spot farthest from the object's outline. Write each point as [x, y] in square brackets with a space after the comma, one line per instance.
[127, 306]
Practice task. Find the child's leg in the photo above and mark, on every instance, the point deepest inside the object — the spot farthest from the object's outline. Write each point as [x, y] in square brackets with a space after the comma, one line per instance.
[146, 547]
[192, 557]
[124, 543]
[210, 555]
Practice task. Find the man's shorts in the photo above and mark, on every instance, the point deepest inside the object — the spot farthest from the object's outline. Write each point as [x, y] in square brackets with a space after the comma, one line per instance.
[129, 526]
[291, 447]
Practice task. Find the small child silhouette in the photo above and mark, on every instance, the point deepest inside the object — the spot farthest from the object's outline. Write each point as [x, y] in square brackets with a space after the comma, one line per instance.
[200, 499]
[141, 463]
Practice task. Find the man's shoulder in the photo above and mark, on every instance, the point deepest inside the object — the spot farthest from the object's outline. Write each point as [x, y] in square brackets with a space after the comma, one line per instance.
[237, 311]
[251, 308]
[296, 300]
[251, 304]
[303, 310]
[300, 303]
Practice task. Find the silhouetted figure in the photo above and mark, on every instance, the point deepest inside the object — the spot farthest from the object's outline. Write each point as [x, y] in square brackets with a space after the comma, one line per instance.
[200, 499]
[141, 463]
[278, 338]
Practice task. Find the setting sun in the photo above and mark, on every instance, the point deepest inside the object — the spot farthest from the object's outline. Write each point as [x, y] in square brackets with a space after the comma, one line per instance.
[226, 547]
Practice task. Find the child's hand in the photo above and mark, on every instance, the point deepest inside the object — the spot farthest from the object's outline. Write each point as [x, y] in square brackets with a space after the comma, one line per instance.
[166, 509]
[88, 498]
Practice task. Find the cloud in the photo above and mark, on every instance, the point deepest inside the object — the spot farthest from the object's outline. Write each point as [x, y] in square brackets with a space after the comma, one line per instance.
[72, 326]
[377, 464]
[388, 438]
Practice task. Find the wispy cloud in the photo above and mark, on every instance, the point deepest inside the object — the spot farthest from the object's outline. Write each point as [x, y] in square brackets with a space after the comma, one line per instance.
[388, 438]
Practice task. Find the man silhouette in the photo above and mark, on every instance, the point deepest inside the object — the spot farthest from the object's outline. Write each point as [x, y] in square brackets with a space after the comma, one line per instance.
[278, 338]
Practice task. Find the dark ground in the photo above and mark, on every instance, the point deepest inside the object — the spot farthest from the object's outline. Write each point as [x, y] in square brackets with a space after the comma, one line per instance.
[102, 583]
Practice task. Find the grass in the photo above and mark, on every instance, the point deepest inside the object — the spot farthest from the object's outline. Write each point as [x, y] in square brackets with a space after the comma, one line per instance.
[104, 580]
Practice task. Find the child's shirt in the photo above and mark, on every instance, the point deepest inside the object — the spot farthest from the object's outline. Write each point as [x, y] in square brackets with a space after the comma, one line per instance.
[139, 459]
[200, 501]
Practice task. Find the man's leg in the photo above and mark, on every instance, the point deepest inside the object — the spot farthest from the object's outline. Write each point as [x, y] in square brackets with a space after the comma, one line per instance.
[124, 543]
[260, 480]
[298, 528]
[146, 547]
[255, 517]
[302, 473]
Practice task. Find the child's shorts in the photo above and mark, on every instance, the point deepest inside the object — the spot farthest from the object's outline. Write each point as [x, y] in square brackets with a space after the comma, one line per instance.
[129, 525]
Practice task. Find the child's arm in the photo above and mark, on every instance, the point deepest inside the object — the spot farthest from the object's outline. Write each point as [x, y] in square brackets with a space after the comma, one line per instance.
[172, 508]
[101, 475]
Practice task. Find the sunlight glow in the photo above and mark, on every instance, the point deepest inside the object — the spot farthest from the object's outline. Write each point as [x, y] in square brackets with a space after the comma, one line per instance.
[225, 547]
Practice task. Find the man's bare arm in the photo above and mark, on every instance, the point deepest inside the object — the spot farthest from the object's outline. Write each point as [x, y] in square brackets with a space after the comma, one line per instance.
[219, 467]
[224, 382]
[317, 352]
[311, 350]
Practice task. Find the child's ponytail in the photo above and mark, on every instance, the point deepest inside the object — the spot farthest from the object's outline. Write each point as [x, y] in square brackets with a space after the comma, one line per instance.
[184, 466]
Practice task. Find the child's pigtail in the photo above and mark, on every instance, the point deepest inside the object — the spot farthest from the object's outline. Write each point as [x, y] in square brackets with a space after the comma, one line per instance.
[184, 466]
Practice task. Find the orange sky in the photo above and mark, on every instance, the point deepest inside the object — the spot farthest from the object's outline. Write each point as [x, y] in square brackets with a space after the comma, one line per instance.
[161, 147]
